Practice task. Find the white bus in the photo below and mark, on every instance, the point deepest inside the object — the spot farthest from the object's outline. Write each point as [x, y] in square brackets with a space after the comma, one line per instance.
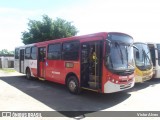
[155, 56]
[25, 57]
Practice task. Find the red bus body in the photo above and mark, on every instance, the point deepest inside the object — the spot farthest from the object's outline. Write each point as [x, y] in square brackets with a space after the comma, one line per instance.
[59, 68]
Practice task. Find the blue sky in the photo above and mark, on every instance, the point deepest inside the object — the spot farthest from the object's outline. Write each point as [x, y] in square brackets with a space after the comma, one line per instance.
[37, 4]
[138, 18]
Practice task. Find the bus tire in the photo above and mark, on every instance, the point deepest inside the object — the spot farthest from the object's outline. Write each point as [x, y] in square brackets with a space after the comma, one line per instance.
[28, 74]
[73, 85]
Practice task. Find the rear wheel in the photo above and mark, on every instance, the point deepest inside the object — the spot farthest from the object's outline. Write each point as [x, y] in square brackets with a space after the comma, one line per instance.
[28, 74]
[73, 85]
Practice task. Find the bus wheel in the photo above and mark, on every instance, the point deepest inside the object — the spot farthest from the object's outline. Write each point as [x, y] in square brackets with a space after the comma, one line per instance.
[72, 84]
[28, 74]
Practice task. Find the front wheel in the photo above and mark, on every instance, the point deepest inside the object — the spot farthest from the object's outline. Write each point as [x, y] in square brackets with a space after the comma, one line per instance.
[73, 85]
[28, 74]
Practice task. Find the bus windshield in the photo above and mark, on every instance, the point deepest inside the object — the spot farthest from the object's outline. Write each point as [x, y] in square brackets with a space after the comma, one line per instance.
[142, 56]
[119, 53]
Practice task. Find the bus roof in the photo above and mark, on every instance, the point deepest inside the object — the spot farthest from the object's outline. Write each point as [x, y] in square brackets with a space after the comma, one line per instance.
[100, 34]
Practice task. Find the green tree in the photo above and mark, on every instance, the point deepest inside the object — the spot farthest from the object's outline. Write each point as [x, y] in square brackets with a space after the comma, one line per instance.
[48, 29]
[6, 52]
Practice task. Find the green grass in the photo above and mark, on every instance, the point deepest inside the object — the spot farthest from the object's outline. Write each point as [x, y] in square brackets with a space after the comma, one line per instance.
[7, 70]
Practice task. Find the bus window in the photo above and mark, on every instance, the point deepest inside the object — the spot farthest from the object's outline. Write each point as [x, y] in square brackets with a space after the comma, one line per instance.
[42, 53]
[158, 49]
[16, 53]
[54, 51]
[152, 51]
[34, 53]
[71, 50]
[27, 53]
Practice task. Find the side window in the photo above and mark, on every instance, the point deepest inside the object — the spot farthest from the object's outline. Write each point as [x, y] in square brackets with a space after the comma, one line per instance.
[42, 54]
[71, 50]
[34, 53]
[54, 51]
[158, 49]
[152, 51]
[158, 57]
[27, 53]
[17, 53]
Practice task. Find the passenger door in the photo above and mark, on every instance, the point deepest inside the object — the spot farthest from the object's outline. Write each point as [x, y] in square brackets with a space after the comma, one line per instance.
[91, 64]
[54, 64]
[41, 62]
[21, 61]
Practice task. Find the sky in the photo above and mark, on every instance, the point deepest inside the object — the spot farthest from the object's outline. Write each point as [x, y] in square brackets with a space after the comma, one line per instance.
[138, 18]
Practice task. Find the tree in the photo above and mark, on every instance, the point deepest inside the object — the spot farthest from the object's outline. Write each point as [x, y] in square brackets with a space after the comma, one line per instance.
[48, 29]
[6, 52]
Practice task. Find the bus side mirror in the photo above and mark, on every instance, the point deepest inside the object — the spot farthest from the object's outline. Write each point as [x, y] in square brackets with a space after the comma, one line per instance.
[135, 47]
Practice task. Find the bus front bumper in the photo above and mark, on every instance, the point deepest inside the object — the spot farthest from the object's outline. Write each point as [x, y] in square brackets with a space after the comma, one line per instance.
[110, 87]
[140, 79]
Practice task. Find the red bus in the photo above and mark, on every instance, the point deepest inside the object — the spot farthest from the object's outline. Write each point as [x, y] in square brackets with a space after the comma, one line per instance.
[101, 62]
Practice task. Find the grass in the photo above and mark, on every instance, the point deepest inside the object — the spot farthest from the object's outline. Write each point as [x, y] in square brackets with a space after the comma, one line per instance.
[7, 70]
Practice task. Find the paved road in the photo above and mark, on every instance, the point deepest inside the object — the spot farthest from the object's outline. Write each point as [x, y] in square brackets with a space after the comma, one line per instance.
[19, 94]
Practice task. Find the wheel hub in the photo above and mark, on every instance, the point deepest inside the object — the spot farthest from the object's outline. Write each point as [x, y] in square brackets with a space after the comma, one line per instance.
[72, 86]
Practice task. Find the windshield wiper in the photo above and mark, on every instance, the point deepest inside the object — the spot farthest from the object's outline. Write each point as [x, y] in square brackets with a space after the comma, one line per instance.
[145, 57]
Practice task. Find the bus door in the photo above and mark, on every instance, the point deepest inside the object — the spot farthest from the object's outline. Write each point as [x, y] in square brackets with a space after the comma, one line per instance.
[21, 61]
[41, 61]
[91, 65]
